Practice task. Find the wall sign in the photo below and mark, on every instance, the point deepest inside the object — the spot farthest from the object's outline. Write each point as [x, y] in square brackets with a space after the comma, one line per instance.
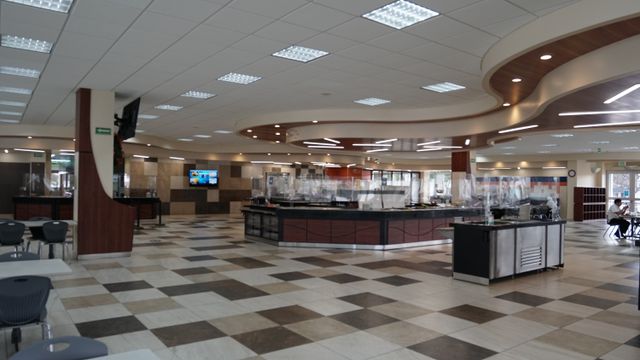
[103, 131]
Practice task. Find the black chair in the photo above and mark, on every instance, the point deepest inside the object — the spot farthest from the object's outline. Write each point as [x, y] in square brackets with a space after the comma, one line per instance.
[63, 348]
[55, 232]
[36, 231]
[18, 256]
[23, 301]
[11, 233]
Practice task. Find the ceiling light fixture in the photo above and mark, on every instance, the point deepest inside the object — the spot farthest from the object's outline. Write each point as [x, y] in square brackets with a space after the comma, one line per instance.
[28, 150]
[242, 79]
[62, 6]
[16, 71]
[443, 87]
[300, 53]
[372, 101]
[429, 149]
[518, 129]
[139, 131]
[149, 145]
[554, 167]
[546, 57]
[324, 147]
[506, 104]
[429, 143]
[623, 93]
[467, 142]
[376, 150]
[168, 107]
[255, 136]
[318, 143]
[350, 165]
[623, 131]
[561, 135]
[386, 141]
[176, 158]
[198, 94]
[13, 90]
[23, 43]
[10, 113]
[13, 103]
[249, 131]
[147, 117]
[202, 136]
[606, 112]
[549, 145]
[516, 80]
[382, 145]
[277, 134]
[297, 162]
[185, 139]
[445, 146]
[332, 140]
[606, 124]
[223, 131]
[315, 121]
[400, 14]
[601, 142]
[277, 126]
[141, 156]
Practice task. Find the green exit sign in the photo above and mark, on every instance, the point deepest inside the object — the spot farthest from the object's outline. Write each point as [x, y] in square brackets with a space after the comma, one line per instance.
[103, 131]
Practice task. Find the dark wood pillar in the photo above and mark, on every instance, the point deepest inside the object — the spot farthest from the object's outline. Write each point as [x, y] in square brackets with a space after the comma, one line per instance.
[461, 162]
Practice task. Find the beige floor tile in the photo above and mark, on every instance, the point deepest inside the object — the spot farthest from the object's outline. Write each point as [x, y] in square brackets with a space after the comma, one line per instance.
[403, 333]
[320, 272]
[629, 320]
[279, 288]
[624, 352]
[320, 329]
[580, 281]
[87, 301]
[569, 308]
[359, 345]
[607, 294]
[548, 317]
[151, 305]
[578, 342]
[536, 350]
[603, 330]
[102, 266]
[147, 268]
[441, 323]
[59, 284]
[239, 324]
[400, 310]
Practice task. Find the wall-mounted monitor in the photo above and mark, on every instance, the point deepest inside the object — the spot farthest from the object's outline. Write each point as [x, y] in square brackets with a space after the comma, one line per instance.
[203, 178]
[129, 120]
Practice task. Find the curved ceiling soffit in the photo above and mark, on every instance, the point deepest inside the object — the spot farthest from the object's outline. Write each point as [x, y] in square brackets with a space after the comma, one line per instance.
[564, 50]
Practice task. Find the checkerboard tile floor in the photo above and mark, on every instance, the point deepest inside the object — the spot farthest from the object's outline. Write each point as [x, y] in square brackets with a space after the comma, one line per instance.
[195, 289]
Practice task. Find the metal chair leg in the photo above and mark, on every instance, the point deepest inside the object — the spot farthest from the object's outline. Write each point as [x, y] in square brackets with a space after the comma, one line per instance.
[46, 331]
[39, 247]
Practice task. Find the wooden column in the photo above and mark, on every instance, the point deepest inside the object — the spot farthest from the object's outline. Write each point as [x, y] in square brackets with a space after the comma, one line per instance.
[460, 170]
[104, 225]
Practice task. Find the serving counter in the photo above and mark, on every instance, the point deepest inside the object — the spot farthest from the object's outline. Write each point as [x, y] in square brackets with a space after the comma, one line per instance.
[351, 228]
[52, 207]
[484, 252]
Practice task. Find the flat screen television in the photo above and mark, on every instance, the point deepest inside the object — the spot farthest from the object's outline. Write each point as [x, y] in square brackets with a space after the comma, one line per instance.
[204, 178]
[129, 120]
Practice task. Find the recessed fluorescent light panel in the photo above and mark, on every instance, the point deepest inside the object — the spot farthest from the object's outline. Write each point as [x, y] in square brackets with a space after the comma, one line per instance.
[324, 147]
[386, 141]
[168, 107]
[610, 112]
[429, 143]
[198, 95]
[10, 113]
[176, 158]
[383, 145]
[299, 53]
[148, 117]
[400, 14]
[141, 156]
[185, 139]
[12, 103]
[443, 87]
[29, 150]
[7, 121]
[376, 150]
[597, 125]
[518, 129]
[23, 43]
[372, 101]
[16, 71]
[623, 131]
[239, 78]
[429, 149]
[223, 131]
[62, 6]
[12, 90]
[562, 135]
[318, 143]
[332, 140]
[623, 93]
[202, 136]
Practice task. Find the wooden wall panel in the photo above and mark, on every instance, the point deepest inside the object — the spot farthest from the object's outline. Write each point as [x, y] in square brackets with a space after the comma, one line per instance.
[343, 231]
[319, 231]
[294, 230]
[368, 232]
[411, 230]
[395, 234]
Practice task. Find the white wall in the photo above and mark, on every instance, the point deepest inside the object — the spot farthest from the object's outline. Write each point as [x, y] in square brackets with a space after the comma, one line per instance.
[102, 109]
[19, 157]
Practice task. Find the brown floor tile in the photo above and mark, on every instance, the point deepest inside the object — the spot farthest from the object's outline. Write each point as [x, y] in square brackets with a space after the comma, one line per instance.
[397, 280]
[321, 328]
[109, 327]
[366, 299]
[223, 268]
[400, 310]
[343, 278]
[448, 348]
[206, 277]
[629, 290]
[249, 263]
[403, 333]
[187, 333]
[363, 319]
[151, 305]
[590, 301]
[279, 288]
[289, 314]
[88, 301]
[271, 339]
[199, 258]
[524, 298]
[578, 342]
[580, 281]
[320, 272]
[160, 256]
[192, 271]
[102, 266]
[234, 290]
[635, 342]
[291, 276]
[606, 294]
[185, 289]
[127, 286]
[548, 317]
[148, 268]
[473, 313]
[59, 284]
[318, 261]
[396, 270]
[233, 325]
[618, 319]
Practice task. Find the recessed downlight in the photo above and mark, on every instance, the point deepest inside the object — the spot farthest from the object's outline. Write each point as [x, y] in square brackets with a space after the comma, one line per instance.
[516, 80]
[546, 57]
[315, 121]
[467, 142]
[276, 125]
[506, 104]
[255, 136]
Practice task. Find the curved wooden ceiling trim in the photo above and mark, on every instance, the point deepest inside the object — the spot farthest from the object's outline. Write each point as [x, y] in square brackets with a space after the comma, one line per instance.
[528, 67]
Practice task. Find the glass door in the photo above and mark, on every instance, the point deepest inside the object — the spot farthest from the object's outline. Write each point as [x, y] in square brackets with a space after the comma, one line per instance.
[620, 186]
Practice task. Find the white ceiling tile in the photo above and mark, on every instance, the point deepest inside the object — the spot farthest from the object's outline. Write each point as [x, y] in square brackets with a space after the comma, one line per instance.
[360, 29]
[439, 27]
[284, 32]
[94, 27]
[192, 10]
[138, 4]
[538, 5]
[364, 52]
[18, 18]
[549, 10]
[24, 59]
[444, 6]
[106, 75]
[142, 44]
[474, 42]
[397, 41]
[111, 12]
[272, 8]
[357, 8]
[238, 20]
[82, 46]
[156, 22]
[393, 60]
[269, 66]
[327, 42]
[487, 12]
[317, 17]
[348, 65]
[259, 45]
[503, 28]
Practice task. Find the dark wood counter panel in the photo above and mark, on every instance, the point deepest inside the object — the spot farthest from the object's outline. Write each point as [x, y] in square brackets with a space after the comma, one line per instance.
[331, 226]
[53, 207]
